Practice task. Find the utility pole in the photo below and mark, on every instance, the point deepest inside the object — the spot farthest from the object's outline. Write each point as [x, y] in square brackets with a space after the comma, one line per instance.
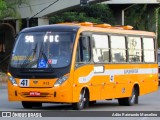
[157, 15]
[28, 19]
[124, 11]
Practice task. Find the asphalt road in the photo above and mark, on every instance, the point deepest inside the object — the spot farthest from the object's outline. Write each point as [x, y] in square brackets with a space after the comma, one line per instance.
[149, 102]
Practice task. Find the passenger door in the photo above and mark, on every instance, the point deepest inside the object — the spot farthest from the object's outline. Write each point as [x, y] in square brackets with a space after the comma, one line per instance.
[84, 70]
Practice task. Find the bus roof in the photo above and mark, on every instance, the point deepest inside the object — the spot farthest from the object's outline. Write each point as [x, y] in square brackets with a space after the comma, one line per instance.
[113, 29]
[87, 26]
[54, 27]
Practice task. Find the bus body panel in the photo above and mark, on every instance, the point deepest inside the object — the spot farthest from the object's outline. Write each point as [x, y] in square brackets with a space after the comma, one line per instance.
[102, 87]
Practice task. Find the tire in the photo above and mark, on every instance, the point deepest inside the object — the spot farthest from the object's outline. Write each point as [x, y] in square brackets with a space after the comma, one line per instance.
[121, 101]
[92, 102]
[28, 105]
[83, 101]
[37, 104]
[129, 101]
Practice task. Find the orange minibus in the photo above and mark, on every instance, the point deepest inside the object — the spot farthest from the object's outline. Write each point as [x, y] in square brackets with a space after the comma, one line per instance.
[80, 63]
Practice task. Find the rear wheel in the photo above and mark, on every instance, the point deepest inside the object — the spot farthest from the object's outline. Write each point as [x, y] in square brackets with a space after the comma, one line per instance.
[128, 101]
[83, 101]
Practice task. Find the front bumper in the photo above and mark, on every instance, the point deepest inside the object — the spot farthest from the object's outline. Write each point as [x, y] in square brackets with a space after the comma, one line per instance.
[60, 94]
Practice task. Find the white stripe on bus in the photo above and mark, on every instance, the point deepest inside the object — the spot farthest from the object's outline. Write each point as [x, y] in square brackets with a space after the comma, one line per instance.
[113, 72]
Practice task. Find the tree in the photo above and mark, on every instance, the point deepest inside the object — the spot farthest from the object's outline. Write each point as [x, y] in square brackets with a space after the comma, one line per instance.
[97, 13]
[72, 17]
[136, 16]
[8, 8]
[100, 11]
[142, 17]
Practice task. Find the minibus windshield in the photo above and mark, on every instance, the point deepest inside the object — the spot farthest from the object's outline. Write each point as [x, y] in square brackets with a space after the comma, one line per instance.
[43, 50]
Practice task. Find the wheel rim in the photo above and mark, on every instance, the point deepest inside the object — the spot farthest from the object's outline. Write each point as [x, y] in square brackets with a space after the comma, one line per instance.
[82, 99]
[133, 97]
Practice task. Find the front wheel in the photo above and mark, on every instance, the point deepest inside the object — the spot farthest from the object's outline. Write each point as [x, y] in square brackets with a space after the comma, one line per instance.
[92, 102]
[83, 101]
[28, 105]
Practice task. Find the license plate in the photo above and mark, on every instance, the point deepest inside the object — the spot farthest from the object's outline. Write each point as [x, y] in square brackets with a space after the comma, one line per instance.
[24, 83]
[33, 93]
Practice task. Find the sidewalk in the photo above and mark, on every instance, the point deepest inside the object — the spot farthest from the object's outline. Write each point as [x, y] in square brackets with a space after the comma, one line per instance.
[3, 80]
[3, 85]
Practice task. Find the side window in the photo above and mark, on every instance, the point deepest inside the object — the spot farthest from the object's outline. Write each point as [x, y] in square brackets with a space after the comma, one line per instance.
[100, 48]
[134, 49]
[83, 50]
[149, 52]
[118, 48]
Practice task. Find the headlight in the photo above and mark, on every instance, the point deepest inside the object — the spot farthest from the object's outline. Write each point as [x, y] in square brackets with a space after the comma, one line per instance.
[12, 80]
[60, 80]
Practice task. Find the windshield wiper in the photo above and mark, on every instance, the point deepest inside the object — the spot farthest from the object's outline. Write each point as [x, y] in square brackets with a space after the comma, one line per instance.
[26, 63]
[42, 54]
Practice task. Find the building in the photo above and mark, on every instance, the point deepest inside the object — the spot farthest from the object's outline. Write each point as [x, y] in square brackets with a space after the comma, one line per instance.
[39, 10]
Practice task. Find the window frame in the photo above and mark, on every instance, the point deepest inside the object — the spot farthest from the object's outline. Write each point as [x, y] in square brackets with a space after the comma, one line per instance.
[127, 39]
[126, 36]
[111, 49]
[92, 43]
[78, 50]
[154, 45]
